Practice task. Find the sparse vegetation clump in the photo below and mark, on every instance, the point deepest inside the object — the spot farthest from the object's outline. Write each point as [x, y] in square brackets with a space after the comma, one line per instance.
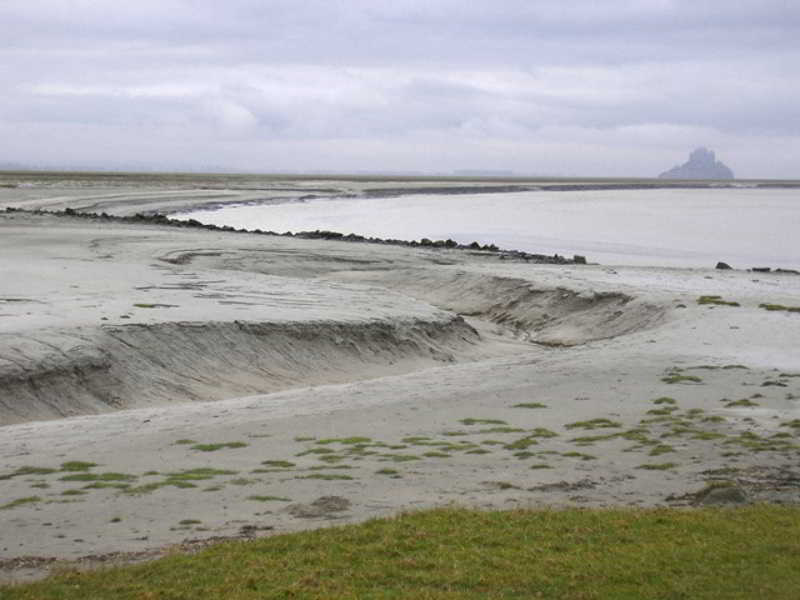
[20, 502]
[22, 471]
[665, 410]
[529, 405]
[348, 440]
[680, 378]
[716, 300]
[579, 455]
[661, 449]
[744, 402]
[522, 443]
[325, 476]
[665, 400]
[779, 307]
[471, 421]
[593, 424]
[543, 432]
[98, 477]
[77, 465]
[658, 466]
[199, 474]
[281, 464]
[218, 446]
[269, 498]
[387, 472]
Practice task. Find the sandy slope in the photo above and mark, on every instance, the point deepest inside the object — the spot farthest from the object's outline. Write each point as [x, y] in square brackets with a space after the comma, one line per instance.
[283, 344]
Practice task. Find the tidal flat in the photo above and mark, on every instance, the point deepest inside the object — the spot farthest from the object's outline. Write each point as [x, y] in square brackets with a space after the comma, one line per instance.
[163, 384]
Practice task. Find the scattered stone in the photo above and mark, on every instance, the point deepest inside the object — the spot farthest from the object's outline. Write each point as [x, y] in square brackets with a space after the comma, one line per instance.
[251, 530]
[321, 507]
[160, 219]
[721, 495]
[564, 486]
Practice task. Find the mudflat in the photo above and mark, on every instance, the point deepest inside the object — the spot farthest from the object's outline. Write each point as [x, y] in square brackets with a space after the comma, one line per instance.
[166, 387]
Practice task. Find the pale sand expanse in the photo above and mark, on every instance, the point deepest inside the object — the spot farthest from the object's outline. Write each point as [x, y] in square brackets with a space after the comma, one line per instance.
[299, 341]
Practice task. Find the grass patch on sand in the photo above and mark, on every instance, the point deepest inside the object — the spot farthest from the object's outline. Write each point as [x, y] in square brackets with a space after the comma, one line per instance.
[703, 554]
[22, 471]
[103, 485]
[715, 300]
[543, 432]
[20, 502]
[593, 424]
[282, 464]
[98, 477]
[779, 307]
[471, 421]
[522, 443]
[199, 474]
[219, 446]
[326, 476]
[347, 440]
[180, 479]
[665, 400]
[529, 405]
[658, 466]
[387, 472]
[77, 465]
[580, 455]
[664, 410]
[269, 498]
[661, 449]
[744, 402]
[400, 457]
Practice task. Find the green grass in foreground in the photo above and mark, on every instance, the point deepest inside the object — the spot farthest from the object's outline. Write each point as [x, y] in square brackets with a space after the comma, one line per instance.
[749, 552]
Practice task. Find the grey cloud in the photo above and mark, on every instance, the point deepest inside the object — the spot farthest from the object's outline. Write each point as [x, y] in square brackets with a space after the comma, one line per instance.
[375, 81]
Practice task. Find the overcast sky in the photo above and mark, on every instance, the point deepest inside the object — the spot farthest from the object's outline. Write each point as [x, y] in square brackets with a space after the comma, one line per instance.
[569, 87]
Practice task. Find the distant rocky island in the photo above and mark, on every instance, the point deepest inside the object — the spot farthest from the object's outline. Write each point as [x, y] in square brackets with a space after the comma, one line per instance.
[702, 164]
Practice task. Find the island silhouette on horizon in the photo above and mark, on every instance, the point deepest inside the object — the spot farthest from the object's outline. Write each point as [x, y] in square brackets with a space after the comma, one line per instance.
[702, 164]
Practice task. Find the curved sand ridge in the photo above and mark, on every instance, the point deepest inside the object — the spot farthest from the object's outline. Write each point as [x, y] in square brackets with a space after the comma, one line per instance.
[66, 373]
[171, 324]
[554, 316]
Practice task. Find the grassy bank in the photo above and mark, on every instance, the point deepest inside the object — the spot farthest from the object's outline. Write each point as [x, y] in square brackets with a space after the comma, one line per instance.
[751, 552]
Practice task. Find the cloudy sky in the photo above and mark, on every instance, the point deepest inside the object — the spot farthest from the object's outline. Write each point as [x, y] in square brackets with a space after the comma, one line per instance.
[563, 87]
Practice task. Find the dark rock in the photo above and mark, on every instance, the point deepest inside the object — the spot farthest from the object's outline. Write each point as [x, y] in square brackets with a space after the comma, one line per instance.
[788, 271]
[723, 265]
[717, 495]
[321, 507]
[702, 164]
[760, 269]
